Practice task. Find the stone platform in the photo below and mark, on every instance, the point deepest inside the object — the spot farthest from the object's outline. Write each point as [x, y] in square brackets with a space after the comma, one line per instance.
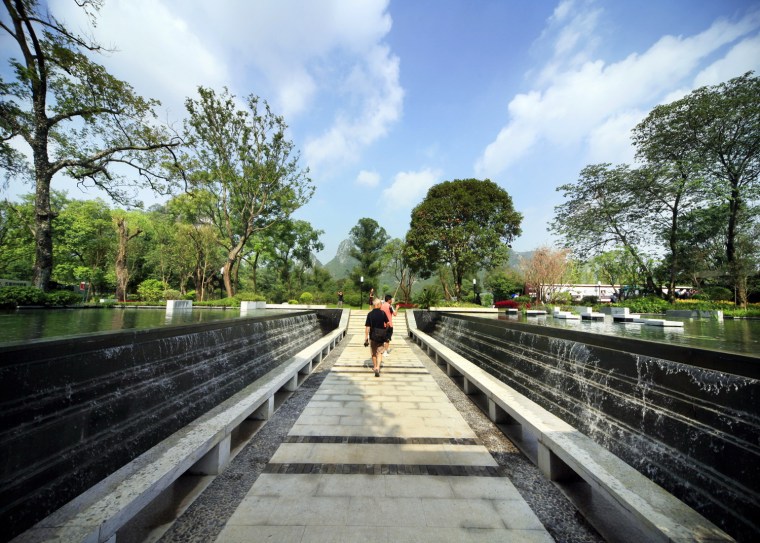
[382, 459]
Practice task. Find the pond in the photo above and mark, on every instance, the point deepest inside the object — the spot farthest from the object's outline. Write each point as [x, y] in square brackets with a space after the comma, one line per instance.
[736, 335]
[29, 324]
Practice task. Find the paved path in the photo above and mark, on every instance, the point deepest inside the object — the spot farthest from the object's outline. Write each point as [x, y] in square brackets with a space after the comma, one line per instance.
[381, 459]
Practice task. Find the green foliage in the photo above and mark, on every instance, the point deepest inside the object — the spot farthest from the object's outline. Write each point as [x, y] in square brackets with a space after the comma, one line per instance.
[172, 294]
[63, 297]
[151, 290]
[524, 299]
[15, 296]
[429, 297]
[718, 294]
[646, 304]
[561, 298]
[369, 239]
[465, 224]
[486, 299]
[306, 298]
[589, 300]
[293, 302]
[503, 284]
[245, 296]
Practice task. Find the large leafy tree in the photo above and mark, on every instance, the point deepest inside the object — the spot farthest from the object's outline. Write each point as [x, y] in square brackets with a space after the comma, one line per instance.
[242, 159]
[368, 239]
[711, 138]
[74, 116]
[291, 247]
[85, 243]
[601, 212]
[465, 225]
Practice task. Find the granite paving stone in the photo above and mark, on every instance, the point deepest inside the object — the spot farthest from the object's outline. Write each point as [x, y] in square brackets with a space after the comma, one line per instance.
[405, 457]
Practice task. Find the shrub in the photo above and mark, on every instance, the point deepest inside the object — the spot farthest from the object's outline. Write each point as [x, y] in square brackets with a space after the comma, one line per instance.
[561, 298]
[647, 304]
[293, 302]
[189, 295]
[14, 296]
[247, 296]
[306, 298]
[718, 294]
[589, 300]
[429, 297]
[171, 294]
[524, 299]
[63, 297]
[507, 303]
[151, 290]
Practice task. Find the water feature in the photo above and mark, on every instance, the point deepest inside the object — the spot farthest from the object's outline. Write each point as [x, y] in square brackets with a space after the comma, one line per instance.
[73, 410]
[737, 335]
[30, 324]
[687, 418]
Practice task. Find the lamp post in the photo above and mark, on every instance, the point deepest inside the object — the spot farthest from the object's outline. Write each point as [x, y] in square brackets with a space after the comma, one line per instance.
[361, 292]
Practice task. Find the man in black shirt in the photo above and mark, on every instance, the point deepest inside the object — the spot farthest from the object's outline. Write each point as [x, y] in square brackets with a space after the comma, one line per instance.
[374, 334]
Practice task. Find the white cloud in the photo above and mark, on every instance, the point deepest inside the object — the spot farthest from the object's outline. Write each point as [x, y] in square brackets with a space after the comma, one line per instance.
[155, 50]
[374, 86]
[585, 103]
[368, 179]
[743, 57]
[409, 188]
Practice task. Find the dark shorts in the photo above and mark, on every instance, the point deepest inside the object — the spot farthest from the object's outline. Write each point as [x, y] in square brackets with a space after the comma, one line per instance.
[374, 346]
[388, 334]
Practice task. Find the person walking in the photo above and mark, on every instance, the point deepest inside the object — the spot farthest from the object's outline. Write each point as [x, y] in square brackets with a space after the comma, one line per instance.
[372, 296]
[390, 312]
[340, 298]
[374, 334]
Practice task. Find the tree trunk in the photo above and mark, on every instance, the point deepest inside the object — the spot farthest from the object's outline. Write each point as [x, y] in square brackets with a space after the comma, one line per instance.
[121, 267]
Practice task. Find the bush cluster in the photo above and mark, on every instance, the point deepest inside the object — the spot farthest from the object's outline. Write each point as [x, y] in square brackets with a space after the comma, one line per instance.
[12, 297]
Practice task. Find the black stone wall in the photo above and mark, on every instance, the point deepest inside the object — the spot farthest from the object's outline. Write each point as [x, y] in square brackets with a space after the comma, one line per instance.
[667, 410]
[74, 410]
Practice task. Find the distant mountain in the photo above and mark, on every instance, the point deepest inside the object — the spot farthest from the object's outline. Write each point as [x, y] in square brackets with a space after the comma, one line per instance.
[343, 263]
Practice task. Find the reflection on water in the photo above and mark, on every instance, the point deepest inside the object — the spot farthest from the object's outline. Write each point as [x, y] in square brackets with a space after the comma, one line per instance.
[24, 325]
[738, 335]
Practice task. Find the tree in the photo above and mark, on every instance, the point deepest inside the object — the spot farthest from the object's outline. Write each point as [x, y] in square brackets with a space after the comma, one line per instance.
[368, 239]
[397, 260]
[717, 130]
[616, 267]
[601, 213]
[292, 244]
[17, 239]
[545, 270]
[464, 225]
[85, 242]
[242, 160]
[503, 283]
[63, 104]
[124, 236]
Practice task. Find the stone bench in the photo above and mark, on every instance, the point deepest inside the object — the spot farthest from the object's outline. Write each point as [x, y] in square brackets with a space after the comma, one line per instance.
[201, 447]
[567, 457]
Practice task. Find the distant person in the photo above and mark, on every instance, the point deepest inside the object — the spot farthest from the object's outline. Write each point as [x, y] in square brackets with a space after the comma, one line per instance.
[371, 297]
[390, 312]
[374, 334]
[340, 298]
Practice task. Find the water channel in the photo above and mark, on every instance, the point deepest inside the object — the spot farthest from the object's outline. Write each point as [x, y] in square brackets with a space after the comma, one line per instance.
[29, 324]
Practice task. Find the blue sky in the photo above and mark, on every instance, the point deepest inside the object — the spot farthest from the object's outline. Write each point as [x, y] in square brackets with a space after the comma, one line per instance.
[386, 98]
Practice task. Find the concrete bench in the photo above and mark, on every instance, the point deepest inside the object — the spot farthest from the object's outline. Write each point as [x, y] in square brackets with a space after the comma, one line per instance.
[567, 457]
[201, 447]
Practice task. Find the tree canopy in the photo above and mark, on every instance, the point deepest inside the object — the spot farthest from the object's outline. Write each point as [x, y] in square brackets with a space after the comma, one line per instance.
[369, 239]
[75, 118]
[696, 190]
[464, 224]
[242, 159]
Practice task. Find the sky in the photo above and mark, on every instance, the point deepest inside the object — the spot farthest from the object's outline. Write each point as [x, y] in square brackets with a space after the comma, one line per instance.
[385, 98]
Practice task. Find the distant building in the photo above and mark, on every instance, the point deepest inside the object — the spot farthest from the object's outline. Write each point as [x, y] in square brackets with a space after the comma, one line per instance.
[14, 283]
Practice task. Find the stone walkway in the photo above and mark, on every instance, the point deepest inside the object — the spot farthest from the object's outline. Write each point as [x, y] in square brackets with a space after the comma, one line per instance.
[386, 459]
